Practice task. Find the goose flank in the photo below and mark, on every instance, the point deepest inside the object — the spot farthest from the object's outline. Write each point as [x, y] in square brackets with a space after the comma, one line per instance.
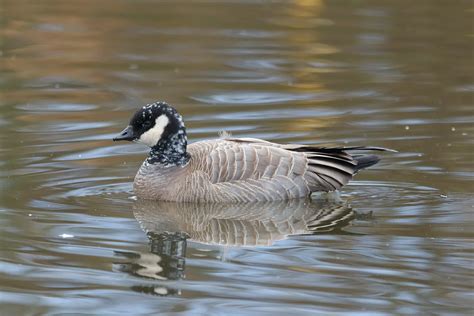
[232, 169]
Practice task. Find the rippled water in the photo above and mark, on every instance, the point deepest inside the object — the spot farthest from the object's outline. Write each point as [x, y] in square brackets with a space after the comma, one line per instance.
[397, 240]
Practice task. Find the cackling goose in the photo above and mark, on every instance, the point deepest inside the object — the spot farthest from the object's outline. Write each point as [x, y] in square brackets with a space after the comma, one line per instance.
[232, 169]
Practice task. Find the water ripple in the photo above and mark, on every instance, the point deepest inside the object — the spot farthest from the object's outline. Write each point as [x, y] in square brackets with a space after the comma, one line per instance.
[56, 107]
[250, 97]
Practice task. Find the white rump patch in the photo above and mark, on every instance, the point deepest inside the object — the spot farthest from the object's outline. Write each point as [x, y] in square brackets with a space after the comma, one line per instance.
[153, 135]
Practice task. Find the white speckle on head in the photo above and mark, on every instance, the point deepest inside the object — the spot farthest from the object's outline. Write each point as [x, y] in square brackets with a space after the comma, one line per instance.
[153, 135]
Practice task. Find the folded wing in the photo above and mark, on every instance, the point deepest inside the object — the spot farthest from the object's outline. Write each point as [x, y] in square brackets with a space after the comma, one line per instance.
[272, 171]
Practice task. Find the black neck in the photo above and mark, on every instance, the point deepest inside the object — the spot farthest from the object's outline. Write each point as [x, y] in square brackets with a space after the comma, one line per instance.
[170, 151]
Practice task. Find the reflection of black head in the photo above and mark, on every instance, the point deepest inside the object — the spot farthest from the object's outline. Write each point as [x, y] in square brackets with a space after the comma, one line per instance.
[165, 261]
[172, 249]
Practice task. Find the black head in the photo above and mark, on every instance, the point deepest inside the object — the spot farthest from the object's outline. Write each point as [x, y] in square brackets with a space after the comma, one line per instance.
[152, 123]
[159, 126]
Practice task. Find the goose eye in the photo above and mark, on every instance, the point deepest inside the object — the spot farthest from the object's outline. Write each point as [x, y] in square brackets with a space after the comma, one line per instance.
[146, 124]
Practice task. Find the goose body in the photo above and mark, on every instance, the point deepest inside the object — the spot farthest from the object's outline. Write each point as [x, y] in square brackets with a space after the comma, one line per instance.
[232, 169]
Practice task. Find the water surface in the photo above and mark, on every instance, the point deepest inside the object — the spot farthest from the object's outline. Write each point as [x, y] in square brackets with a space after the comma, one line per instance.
[397, 240]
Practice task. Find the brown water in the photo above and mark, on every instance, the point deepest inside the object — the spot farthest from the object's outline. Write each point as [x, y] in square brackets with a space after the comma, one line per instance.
[396, 74]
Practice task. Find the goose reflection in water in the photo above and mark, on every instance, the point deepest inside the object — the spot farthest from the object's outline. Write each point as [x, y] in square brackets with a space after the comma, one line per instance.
[169, 226]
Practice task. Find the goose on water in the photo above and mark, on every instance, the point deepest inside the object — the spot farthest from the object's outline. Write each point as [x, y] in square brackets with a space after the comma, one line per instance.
[232, 169]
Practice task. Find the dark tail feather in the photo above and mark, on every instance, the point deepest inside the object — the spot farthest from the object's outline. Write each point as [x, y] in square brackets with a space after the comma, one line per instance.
[365, 161]
[369, 148]
[338, 155]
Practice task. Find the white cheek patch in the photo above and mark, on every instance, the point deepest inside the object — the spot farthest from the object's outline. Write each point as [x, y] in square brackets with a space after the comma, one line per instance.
[153, 135]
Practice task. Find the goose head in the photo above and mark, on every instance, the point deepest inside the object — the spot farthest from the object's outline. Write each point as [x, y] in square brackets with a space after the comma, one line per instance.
[160, 127]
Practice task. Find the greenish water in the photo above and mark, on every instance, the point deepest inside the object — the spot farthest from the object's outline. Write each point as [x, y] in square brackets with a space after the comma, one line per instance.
[395, 74]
